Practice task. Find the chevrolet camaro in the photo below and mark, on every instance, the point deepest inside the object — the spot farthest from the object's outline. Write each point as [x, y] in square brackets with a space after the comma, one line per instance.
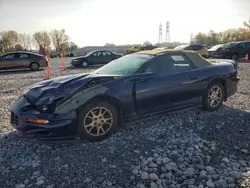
[136, 86]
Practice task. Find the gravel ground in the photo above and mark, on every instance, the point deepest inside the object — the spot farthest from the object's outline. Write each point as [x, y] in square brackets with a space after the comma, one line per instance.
[189, 149]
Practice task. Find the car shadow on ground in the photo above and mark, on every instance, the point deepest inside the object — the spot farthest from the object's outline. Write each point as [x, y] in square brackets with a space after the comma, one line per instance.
[18, 71]
[228, 127]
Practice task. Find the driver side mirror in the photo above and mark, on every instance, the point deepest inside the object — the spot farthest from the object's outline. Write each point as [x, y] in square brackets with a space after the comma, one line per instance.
[146, 75]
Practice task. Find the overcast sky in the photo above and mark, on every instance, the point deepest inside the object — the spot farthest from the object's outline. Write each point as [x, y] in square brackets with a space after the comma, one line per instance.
[96, 22]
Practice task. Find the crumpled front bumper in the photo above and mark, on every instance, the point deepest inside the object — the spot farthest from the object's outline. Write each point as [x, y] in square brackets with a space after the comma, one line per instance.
[63, 125]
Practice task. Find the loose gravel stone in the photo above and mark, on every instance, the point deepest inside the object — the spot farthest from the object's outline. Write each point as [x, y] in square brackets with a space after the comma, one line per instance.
[185, 149]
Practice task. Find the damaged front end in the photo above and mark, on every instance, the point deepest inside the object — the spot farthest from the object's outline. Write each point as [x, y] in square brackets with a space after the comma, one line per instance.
[48, 108]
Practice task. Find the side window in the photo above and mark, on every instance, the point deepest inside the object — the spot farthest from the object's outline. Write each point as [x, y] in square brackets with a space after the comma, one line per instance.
[9, 56]
[169, 64]
[248, 45]
[180, 63]
[106, 53]
[197, 47]
[97, 54]
[189, 48]
[242, 45]
[22, 56]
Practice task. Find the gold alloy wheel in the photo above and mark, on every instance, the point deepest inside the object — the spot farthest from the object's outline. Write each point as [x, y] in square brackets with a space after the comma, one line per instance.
[98, 121]
[215, 96]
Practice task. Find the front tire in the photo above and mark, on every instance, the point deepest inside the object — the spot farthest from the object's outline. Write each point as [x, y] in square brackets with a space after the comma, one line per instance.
[85, 64]
[97, 121]
[234, 57]
[213, 97]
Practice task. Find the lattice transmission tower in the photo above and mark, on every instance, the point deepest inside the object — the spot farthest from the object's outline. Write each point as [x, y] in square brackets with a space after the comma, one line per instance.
[167, 36]
[160, 34]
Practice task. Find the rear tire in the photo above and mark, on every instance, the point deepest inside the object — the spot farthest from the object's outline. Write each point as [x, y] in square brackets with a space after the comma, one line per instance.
[34, 66]
[97, 121]
[213, 97]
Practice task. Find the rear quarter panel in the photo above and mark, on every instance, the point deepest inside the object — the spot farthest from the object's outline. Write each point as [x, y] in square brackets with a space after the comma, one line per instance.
[38, 59]
[209, 73]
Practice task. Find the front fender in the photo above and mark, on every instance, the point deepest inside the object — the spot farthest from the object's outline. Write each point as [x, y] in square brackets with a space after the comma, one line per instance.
[80, 99]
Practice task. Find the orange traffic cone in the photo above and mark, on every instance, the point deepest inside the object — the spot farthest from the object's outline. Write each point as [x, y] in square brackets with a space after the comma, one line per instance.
[246, 58]
[63, 64]
[48, 68]
[48, 73]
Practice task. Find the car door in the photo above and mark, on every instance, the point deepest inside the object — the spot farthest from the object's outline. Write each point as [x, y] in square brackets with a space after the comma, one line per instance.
[22, 60]
[248, 48]
[174, 85]
[96, 58]
[7, 61]
[107, 57]
[241, 49]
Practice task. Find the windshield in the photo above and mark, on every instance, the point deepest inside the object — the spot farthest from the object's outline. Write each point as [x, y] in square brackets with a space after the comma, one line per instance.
[180, 47]
[216, 47]
[88, 54]
[125, 65]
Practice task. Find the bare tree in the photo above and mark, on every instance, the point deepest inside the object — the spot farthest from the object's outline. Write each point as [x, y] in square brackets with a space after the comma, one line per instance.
[147, 43]
[72, 47]
[60, 40]
[247, 24]
[109, 44]
[9, 39]
[22, 40]
[43, 41]
[30, 42]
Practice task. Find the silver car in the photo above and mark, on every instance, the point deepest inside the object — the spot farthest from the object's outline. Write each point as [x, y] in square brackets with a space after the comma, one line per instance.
[15, 60]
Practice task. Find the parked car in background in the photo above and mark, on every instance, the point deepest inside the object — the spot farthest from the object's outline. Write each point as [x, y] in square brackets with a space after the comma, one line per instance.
[132, 87]
[22, 59]
[213, 50]
[235, 63]
[234, 50]
[199, 49]
[95, 58]
[161, 48]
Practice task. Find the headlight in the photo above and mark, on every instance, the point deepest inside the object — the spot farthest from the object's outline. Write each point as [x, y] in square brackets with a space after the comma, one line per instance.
[44, 108]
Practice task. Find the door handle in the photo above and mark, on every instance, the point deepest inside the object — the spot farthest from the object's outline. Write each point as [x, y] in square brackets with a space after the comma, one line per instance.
[139, 79]
[144, 79]
[193, 78]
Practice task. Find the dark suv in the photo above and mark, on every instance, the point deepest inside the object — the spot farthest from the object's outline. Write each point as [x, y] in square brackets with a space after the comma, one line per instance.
[233, 50]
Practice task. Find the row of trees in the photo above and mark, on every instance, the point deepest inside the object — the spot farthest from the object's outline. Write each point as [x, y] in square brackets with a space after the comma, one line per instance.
[211, 38]
[231, 35]
[42, 41]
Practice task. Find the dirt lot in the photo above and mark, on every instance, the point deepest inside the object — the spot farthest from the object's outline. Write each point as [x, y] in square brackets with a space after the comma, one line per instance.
[189, 149]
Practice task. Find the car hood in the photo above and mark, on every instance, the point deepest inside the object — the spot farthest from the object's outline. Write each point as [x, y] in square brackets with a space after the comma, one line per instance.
[49, 91]
[77, 58]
